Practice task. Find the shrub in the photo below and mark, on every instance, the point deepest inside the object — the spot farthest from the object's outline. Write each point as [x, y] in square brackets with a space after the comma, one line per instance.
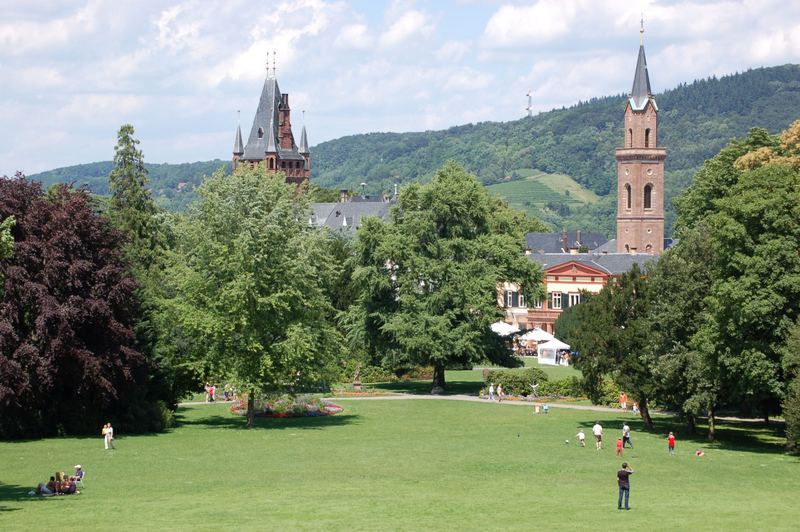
[516, 382]
[567, 387]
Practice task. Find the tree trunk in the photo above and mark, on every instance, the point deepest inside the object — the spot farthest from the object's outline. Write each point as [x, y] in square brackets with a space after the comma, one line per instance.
[644, 411]
[251, 408]
[712, 424]
[692, 422]
[438, 379]
[765, 412]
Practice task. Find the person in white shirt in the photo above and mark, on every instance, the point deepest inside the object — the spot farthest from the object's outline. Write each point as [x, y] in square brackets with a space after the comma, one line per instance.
[581, 438]
[626, 436]
[491, 392]
[597, 430]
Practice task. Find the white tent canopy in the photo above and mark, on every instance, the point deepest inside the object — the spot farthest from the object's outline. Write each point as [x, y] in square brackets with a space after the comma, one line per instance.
[504, 329]
[548, 350]
[537, 334]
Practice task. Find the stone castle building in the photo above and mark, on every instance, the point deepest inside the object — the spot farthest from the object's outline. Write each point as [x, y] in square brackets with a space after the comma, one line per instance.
[271, 140]
[640, 171]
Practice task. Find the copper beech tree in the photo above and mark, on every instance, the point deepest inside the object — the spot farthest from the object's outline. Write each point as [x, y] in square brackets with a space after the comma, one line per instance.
[67, 361]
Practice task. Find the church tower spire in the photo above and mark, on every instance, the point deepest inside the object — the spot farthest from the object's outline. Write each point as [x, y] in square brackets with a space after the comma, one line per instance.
[640, 169]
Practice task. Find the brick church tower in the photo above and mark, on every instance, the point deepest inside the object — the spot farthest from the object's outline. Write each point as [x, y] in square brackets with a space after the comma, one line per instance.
[271, 140]
[640, 170]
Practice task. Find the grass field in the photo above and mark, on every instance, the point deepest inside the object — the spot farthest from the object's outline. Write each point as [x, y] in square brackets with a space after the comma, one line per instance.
[403, 465]
[539, 188]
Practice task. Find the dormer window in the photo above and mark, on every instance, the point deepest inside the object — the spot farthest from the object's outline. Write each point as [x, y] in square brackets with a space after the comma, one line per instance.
[261, 132]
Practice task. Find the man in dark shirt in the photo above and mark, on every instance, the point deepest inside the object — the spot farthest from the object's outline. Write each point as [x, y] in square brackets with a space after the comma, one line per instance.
[624, 484]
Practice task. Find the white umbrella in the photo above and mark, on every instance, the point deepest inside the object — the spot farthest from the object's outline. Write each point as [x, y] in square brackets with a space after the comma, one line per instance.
[537, 334]
[504, 329]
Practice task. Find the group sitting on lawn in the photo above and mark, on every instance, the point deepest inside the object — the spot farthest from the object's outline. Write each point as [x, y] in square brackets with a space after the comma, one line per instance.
[60, 484]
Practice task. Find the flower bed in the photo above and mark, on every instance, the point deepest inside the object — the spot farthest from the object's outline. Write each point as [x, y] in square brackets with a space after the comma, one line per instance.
[288, 406]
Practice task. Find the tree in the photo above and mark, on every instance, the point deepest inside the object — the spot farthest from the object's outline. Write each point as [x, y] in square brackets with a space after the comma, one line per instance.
[429, 277]
[246, 284]
[132, 209]
[67, 358]
[612, 339]
[6, 242]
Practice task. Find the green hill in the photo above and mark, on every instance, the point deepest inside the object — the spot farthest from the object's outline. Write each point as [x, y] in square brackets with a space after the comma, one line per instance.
[695, 122]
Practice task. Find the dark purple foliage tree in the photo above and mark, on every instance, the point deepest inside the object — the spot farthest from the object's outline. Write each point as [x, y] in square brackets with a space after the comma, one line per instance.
[67, 356]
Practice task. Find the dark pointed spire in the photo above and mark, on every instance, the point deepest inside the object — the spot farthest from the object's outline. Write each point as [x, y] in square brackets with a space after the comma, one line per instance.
[303, 142]
[238, 146]
[640, 92]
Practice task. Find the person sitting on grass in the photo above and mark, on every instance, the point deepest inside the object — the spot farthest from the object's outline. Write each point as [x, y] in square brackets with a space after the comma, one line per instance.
[68, 487]
[78, 476]
[45, 489]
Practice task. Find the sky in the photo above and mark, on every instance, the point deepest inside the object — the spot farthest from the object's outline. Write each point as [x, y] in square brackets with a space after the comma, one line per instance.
[73, 71]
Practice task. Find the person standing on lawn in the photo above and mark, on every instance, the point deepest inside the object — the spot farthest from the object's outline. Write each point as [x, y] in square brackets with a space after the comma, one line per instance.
[671, 443]
[491, 392]
[623, 480]
[499, 393]
[626, 435]
[597, 430]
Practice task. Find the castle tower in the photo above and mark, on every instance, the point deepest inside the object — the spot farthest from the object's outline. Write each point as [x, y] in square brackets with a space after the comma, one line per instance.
[271, 141]
[640, 170]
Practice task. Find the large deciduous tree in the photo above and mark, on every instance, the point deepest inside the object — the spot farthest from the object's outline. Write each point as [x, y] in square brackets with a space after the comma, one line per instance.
[612, 339]
[429, 277]
[67, 357]
[247, 289]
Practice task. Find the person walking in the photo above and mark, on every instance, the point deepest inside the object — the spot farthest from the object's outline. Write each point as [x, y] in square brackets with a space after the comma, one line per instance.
[624, 482]
[671, 443]
[626, 436]
[108, 436]
[619, 446]
[499, 393]
[597, 430]
[623, 400]
[581, 438]
[491, 392]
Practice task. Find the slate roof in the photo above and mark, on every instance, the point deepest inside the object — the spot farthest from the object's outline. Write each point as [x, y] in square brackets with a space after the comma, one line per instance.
[266, 118]
[347, 216]
[553, 242]
[612, 263]
[641, 93]
[303, 142]
[238, 147]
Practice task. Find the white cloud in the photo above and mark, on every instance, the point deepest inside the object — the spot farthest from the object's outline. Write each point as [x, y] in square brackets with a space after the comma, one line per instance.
[20, 36]
[453, 51]
[412, 23]
[354, 37]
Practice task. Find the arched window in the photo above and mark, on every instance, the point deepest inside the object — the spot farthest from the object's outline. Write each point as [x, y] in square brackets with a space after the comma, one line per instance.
[630, 138]
[648, 248]
[628, 195]
[647, 138]
[261, 132]
[648, 194]
[272, 164]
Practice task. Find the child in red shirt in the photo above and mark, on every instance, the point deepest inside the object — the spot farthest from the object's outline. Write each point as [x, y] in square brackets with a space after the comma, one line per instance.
[671, 443]
[619, 446]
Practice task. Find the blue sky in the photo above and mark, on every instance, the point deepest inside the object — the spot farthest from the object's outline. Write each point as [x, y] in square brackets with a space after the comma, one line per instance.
[73, 71]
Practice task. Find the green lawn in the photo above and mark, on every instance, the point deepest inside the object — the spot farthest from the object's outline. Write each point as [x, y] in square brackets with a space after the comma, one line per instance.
[403, 465]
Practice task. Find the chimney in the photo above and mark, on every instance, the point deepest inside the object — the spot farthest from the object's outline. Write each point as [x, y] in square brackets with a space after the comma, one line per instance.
[343, 196]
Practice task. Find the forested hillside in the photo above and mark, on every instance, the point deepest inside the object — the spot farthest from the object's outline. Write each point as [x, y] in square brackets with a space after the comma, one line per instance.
[696, 121]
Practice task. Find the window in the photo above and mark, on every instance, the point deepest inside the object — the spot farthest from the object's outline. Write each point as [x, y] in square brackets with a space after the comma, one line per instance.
[521, 300]
[574, 299]
[630, 138]
[628, 195]
[537, 303]
[272, 164]
[555, 301]
[283, 164]
[648, 194]
[261, 132]
[509, 298]
[647, 138]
